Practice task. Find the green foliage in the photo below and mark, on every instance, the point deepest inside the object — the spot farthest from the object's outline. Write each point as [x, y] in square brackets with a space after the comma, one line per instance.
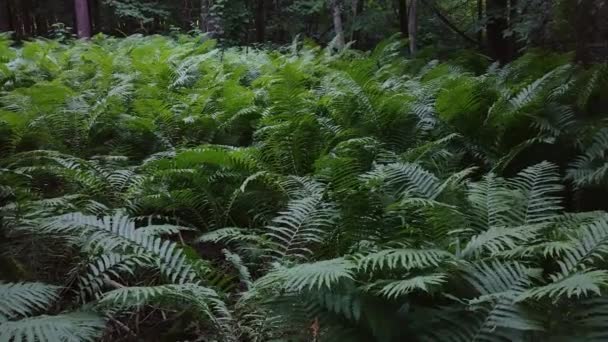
[297, 194]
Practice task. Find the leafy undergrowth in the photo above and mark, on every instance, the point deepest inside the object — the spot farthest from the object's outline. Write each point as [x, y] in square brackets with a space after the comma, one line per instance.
[166, 189]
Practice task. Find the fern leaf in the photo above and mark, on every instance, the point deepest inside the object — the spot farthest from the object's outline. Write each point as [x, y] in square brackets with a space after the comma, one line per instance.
[22, 299]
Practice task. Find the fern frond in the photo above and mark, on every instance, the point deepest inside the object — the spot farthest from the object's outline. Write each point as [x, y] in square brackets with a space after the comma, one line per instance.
[22, 299]
[403, 259]
[312, 276]
[77, 326]
[396, 289]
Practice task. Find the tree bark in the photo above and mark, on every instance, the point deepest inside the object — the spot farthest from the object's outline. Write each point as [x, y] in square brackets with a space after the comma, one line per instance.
[358, 6]
[499, 46]
[403, 22]
[260, 21]
[5, 19]
[449, 24]
[338, 28]
[413, 25]
[210, 22]
[26, 19]
[584, 30]
[83, 21]
[479, 20]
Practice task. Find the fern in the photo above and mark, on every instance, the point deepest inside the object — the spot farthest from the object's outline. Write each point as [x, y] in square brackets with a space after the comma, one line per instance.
[67, 327]
[23, 299]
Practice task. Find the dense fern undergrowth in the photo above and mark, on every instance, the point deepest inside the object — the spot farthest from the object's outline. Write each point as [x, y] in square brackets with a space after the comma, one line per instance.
[163, 189]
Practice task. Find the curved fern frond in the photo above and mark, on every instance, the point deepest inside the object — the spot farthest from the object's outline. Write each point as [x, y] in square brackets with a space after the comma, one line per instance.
[22, 299]
[300, 227]
[403, 259]
[77, 326]
[117, 233]
[313, 276]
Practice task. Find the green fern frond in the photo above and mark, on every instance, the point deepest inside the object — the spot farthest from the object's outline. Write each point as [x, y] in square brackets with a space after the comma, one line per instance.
[406, 259]
[300, 227]
[312, 276]
[399, 288]
[22, 299]
[581, 284]
[203, 299]
[117, 233]
[77, 326]
[540, 186]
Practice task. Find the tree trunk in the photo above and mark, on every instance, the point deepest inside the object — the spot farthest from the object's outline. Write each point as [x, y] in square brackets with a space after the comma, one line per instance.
[96, 16]
[338, 28]
[83, 21]
[413, 25]
[358, 6]
[26, 19]
[210, 22]
[499, 46]
[260, 21]
[5, 19]
[479, 20]
[403, 22]
[584, 28]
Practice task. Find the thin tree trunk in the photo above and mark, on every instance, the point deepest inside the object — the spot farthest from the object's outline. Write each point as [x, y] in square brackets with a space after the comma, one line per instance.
[83, 21]
[413, 25]
[479, 20]
[358, 6]
[403, 22]
[5, 19]
[260, 21]
[498, 45]
[26, 19]
[338, 28]
[210, 22]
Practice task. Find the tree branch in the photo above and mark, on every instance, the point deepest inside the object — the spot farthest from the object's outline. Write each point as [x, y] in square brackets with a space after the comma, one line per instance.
[448, 23]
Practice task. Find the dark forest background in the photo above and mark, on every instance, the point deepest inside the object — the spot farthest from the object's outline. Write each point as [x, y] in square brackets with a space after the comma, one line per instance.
[498, 28]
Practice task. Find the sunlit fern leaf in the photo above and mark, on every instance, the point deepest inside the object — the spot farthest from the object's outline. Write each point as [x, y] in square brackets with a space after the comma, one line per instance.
[237, 263]
[581, 284]
[105, 267]
[203, 299]
[301, 226]
[490, 203]
[398, 288]
[117, 233]
[77, 326]
[540, 187]
[496, 279]
[499, 239]
[404, 179]
[403, 259]
[228, 235]
[588, 245]
[311, 276]
[591, 167]
[22, 299]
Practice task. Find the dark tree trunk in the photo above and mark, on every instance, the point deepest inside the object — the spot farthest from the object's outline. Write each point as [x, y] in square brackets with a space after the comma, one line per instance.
[260, 21]
[96, 16]
[584, 30]
[210, 22]
[5, 17]
[479, 20]
[499, 46]
[413, 25]
[26, 19]
[358, 7]
[337, 19]
[83, 21]
[403, 22]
